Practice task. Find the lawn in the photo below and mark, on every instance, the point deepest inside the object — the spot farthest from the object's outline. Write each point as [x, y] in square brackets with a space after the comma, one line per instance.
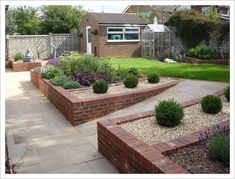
[209, 72]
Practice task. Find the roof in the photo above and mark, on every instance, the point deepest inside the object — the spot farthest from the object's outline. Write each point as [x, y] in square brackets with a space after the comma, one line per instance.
[157, 28]
[115, 18]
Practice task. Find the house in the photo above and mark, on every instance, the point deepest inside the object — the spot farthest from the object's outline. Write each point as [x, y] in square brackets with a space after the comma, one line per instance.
[162, 12]
[223, 11]
[111, 34]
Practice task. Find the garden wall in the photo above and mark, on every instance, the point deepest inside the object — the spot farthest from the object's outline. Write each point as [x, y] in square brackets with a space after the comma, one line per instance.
[40, 45]
[81, 110]
[131, 155]
[217, 61]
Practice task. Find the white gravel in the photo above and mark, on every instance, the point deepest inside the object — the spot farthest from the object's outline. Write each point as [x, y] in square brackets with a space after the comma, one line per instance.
[195, 119]
[88, 93]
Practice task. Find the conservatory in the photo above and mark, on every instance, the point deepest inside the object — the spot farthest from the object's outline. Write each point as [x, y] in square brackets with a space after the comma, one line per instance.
[156, 41]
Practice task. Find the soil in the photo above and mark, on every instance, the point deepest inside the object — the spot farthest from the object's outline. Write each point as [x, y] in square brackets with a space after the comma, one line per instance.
[196, 160]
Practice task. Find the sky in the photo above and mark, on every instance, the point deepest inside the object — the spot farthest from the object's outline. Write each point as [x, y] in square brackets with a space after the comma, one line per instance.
[114, 8]
[106, 8]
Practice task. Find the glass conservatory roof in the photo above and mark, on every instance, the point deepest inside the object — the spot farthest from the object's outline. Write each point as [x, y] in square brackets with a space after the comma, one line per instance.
[157, 28]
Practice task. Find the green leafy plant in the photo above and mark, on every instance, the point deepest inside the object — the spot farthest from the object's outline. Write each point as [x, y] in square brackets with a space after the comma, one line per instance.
[50, 72]
[134, 71]
[153, 77]
[219, 148]
[121, 72]
[131, 81]
[227, 93]
[169, 113]
[71, 85]
[211, 104]
[100, 86]
[202, 52]
[95, 32]
[19, 57]
[59, 80]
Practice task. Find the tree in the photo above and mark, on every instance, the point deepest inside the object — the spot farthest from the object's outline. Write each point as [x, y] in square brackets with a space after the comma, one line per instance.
[61, 19]
[27, 20]
[11, 26]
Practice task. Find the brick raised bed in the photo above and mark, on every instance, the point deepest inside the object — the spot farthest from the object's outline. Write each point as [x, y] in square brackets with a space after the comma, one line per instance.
[131, 155]
[199, 61]
[24, 66]
[81, 110]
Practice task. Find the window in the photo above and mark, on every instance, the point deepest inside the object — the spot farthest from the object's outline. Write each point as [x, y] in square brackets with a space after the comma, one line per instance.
[205, 10]
[122, 34]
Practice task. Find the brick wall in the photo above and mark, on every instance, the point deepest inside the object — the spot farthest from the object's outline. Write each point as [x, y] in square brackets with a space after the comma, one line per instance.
[24, 66]
[78, 111]
[217, 61]
[131, 155]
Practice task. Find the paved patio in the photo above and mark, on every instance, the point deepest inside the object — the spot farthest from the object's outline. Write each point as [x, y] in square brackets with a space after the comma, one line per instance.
[41, 140]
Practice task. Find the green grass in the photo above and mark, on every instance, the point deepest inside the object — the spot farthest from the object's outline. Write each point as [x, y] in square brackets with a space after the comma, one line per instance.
[209, 72]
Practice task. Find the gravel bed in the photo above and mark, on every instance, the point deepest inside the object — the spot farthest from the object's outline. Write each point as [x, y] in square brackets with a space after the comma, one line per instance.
[195, 159]
[117, 89]
[195, 119]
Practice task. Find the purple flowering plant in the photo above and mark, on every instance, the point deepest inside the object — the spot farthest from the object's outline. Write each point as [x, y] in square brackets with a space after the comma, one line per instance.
[53, 61]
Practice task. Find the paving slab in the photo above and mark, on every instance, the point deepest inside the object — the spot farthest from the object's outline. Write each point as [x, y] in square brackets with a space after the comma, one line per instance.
[41, 140]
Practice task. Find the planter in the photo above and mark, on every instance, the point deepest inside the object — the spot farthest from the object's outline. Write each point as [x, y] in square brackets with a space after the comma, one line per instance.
[132, 155]
[25, 66]
[78, 110]
[199, 61]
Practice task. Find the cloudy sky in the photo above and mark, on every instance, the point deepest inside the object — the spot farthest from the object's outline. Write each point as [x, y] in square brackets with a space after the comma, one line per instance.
[106, 8]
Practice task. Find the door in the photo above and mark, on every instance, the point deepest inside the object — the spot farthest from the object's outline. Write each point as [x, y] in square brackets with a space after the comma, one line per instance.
[88, 39]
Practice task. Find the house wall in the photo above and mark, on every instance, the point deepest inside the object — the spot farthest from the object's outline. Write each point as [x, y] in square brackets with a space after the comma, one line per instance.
[104, 48]
[220, 10]
[117, 49]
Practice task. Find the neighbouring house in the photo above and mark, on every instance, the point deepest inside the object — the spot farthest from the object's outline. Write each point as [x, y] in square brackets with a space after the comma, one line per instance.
[162, 12]
[223, 11]
[111, 34]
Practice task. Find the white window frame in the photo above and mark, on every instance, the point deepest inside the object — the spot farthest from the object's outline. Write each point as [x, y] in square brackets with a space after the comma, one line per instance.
[123, 33]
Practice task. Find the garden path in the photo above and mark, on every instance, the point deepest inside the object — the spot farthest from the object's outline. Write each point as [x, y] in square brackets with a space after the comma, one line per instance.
[41, 140]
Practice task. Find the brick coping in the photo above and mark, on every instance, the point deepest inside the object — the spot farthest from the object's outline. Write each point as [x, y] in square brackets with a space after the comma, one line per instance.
[81, 110]
[114, 141]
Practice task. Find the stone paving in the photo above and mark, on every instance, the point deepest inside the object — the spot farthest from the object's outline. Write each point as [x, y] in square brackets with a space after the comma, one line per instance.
[41, 140]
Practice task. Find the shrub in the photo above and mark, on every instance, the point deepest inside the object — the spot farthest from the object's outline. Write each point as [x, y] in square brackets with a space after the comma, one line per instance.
[227, 93]
[19, 57]
[87, 79]
[211, 104]
[60, 80]
[169, 113]
[100, 86]
[194, 27]
[51, 72]
[134, 71]
[71, 85]
[218, 148]
[107, 70]
[202, 52]
[153, 77]
[131, 81]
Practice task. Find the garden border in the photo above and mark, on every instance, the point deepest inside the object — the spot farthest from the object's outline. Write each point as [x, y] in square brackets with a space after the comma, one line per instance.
[81, 110]
[199, 61]
[131, 155]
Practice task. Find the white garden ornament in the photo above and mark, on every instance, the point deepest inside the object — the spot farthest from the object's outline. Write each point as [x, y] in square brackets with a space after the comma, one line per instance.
[168, 60]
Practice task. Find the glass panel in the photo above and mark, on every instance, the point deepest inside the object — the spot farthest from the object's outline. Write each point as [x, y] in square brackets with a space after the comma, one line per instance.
[131, 36]
[115, 36]
[115, 30]
[132, 30]
[89, 35]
